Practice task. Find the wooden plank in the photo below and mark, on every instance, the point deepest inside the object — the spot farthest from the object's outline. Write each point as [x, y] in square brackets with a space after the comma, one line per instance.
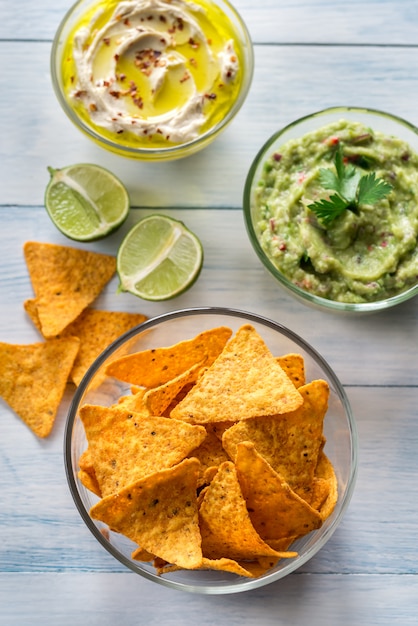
[299, 600]
[290, 21]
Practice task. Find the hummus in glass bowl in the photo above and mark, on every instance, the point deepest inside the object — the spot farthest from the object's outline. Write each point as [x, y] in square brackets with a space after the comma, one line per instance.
[331, 209]
[152, 79]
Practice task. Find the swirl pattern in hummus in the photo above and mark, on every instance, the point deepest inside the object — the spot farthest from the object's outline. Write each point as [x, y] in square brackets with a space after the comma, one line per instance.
[153, 71]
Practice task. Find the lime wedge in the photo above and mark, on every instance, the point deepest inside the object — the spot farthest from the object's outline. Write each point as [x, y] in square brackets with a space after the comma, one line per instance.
[159, 258]
[85, 201]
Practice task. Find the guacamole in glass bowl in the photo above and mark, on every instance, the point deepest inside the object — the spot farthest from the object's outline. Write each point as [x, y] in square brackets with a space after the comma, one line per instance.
[331, 208]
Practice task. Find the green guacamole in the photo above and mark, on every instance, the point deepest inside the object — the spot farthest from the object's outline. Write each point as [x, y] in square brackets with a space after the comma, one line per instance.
[360, 256]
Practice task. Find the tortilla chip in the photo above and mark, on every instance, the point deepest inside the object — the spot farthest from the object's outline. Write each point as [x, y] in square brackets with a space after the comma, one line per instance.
[290, 443]
[159, 513]
[155, 367]
[33, 378]
[126, 447]
[65, 281]
[275, 510]
[210, 454]
[87, 474]
[294, 366]
[225, 524]
[249, 569]
[245, 381]
[142, 555]
[159, 398]
[134, 402]
[325, 471]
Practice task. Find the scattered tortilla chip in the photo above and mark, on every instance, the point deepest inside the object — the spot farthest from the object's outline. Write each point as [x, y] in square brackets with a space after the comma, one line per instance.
[225, 524]
[290, 442]
[245, 381]
[159, 513]
[95, 328]
[33, 378]
[294, 366]
[65, 281]
[126, 447]
[275, 510]
[152, 368]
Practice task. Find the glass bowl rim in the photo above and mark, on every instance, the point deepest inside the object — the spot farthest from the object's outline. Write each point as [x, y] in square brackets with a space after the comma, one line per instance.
[245, 584]
[171, 151]
[250, 182]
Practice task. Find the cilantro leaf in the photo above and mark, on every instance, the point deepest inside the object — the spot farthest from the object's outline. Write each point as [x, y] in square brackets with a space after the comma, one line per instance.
[328, 210]
[352, 189]
[372, 189]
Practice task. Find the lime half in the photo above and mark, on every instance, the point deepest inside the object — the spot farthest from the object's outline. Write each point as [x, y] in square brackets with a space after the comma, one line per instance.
[85, 201]
[159, 258]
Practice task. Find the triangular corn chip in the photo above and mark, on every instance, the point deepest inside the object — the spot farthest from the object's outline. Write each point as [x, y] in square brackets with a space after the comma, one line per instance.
[126, 446]
[159, 513]
[290, 442]
[65, 281]
[33, 379]
[225, 524]
[275, 510]
[245, 381]
[96, 330]
[159, 398]
[294, 366]
[151, 368]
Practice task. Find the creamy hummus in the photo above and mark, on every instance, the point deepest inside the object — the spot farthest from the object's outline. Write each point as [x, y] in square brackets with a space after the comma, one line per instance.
[360, 256]
[152, 71]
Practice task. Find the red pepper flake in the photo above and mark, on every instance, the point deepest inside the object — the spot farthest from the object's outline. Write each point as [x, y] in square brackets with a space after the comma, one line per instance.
[210, 96]
[194, 44]
[116, 57]
[384, 244]
[126, 21]
[193, 62]
[115, 93]
[209, 42]
[106, 41]
[92, 107]
[282, 247]
[159, 131]
[120, 131]
[277, 157]
[71, 79]
[185, 77]
[233, 59]
[163, 18]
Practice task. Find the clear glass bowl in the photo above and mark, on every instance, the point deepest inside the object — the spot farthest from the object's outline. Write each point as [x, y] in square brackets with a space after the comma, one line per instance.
[97, 388]
[386, 123]
[115, 142]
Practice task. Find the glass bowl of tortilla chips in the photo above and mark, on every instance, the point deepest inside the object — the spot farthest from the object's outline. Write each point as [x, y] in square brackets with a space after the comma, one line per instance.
[211, 450]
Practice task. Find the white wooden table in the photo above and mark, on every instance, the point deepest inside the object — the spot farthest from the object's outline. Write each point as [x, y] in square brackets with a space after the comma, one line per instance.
[309, 55]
